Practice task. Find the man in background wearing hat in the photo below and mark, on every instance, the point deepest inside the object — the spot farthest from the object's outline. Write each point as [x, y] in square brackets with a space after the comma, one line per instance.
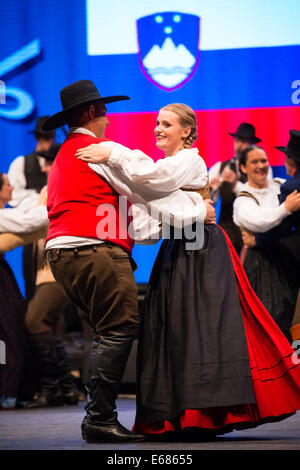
[27, 178]
[225, 180]
[43, 318]
[25, 172]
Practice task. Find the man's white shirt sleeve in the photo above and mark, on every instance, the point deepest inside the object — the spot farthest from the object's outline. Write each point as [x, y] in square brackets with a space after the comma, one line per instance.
[17, 221]
[166, 175]
[164, 200]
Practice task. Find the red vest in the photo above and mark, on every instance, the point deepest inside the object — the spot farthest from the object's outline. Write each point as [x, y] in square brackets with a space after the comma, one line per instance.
[82, 204]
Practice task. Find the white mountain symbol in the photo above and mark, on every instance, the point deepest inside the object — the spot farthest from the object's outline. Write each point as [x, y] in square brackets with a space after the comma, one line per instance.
[169, 65]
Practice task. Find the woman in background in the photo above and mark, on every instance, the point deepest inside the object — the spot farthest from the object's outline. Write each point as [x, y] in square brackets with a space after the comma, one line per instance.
[257, 209]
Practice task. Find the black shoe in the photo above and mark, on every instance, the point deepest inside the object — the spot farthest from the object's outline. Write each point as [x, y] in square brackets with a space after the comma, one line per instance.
[45, 400]
[109, 432]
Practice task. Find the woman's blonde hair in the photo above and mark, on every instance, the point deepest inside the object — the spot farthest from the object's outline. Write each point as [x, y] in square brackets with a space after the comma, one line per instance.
[187, 118]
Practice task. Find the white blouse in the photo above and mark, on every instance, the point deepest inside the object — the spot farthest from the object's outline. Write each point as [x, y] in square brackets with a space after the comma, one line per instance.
[186, 169]
[23, 219]
[165, 180]
[153, 189]
[259, 218]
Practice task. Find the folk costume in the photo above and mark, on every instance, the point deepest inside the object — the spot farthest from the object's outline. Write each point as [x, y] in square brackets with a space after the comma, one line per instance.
[288, 232]
[90, 256]
[84, 259]
[26, 176]
[270, 271]
[22, 221]
[227, 191]
[13, 335]
[96, 277]
[210, 356]
[44, 320]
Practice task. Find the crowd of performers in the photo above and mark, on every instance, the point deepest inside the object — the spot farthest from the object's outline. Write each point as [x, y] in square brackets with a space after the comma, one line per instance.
[218, 328]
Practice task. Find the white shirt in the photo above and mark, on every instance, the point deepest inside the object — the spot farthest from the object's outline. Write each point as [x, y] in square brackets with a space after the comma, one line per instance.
[259, 218]
[16, 176]
[153, 188]
[25, 218]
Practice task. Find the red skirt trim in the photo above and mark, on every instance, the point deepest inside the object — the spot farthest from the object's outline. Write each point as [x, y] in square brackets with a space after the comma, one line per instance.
[275, 370]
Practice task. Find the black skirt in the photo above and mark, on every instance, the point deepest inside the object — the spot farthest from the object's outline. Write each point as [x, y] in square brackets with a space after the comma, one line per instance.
[192, 350]
[12, 332]
[273, 276]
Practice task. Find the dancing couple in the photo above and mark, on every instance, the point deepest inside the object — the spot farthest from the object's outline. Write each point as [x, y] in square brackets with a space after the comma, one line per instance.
[210, 357]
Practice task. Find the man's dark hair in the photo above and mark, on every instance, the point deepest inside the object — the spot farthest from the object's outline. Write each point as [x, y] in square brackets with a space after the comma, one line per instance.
[296, 162]
[40, 135]
[245, 141]
[1, 180]
[75, 116]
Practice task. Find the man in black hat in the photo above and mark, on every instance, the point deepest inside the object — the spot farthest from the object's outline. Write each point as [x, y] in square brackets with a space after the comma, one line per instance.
[94, 272]
[25, 172]
[27, 178]
[225, 181]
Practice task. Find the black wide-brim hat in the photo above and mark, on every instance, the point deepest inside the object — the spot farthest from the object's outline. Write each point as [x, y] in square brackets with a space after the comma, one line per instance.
[74, 95]
[292, 150]
[246, 131]
[39, 128]
[51, 153]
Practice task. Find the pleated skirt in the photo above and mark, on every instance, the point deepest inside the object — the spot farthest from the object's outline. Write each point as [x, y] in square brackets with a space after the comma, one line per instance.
[273, 277]
[210, 356]
[12, 332]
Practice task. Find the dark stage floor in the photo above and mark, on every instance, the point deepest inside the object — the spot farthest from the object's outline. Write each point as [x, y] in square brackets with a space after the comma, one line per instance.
[59, 429]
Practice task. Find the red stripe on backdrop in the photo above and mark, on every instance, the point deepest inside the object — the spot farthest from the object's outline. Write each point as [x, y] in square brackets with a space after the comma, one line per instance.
[136, 131]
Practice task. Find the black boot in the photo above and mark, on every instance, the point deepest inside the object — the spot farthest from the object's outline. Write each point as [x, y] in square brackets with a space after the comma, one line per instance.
[50, 392]
[109, 431]
[107, 363]
[69, 389]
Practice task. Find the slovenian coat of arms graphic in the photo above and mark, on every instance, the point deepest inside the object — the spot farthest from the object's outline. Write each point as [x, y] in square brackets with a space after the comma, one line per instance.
[169, 48]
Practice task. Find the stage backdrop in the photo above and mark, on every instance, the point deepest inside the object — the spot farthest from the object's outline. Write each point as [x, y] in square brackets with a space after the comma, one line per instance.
[231, 61]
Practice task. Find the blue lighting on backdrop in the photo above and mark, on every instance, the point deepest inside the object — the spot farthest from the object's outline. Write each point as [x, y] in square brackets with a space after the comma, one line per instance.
[213, 55]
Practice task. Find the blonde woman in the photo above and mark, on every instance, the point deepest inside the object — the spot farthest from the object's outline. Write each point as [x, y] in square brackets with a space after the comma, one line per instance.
[209, 353]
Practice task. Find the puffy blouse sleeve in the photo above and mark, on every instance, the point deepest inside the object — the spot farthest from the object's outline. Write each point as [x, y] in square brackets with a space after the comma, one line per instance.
[249, 215]
[186, 169]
